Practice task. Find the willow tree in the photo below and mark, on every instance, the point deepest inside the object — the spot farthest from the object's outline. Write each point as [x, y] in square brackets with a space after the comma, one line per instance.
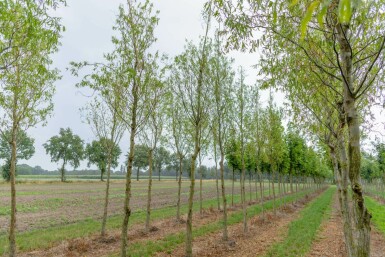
[179, 122]
[241, 120]
[28, 37]
[342, 44]
[151, 135]
[138, 67]
[106, 125]
[222, 81]
[189, 77]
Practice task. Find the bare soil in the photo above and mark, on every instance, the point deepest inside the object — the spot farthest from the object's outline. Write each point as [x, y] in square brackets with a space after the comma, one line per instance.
[263, 232]
[54, 204]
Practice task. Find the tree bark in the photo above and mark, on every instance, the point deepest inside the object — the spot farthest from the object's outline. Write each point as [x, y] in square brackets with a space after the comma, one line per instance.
[12, 171]
[147, 226]
[105, 210]
[179, 187]
[232, 190]
[137, 174]
[224, 200]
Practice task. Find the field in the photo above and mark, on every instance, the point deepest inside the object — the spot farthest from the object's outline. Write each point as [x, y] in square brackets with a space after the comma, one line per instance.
[63, 219]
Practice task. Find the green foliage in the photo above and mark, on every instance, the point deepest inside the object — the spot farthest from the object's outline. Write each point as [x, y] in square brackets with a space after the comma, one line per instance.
[98, 153]
[24, 143]
[65, 147]
[24, 150]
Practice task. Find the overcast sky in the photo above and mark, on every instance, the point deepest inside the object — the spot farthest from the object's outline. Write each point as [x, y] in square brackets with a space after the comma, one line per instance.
[88, 35]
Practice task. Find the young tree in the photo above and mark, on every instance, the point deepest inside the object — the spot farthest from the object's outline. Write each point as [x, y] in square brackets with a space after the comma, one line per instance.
[189, 78]
[28, 37]
[97, 153]
[66, 147]
[135, 26]
[24, 151]
[222, 82]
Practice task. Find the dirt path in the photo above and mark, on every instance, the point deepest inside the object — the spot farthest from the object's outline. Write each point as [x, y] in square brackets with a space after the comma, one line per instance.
[256, 242]
[330, 240]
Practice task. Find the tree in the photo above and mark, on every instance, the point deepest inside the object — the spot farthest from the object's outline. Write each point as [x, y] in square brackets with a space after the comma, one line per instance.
[140, 158]
[28, 37]
[189, 78]
[97, 153]
[65, 147]
[343, 53]
[24, 151]
[222, 82]
[162, 157]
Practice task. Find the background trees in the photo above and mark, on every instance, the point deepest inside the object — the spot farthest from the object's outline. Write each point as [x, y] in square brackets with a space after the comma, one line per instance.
[97, 153]
[65, 147]
[24, 151]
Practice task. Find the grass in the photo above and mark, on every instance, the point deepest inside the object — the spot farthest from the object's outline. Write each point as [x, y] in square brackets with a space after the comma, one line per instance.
[302, 231]
[377, 210]
[170, 242]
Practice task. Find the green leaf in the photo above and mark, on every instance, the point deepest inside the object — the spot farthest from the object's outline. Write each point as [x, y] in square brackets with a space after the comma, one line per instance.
[345, 11]
[307, 18]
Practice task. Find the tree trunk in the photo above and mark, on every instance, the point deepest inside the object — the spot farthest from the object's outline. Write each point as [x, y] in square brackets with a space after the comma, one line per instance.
[12, 171]
[63, 171]
[360, 215]
[104, 220]
[224, 200]
[291, 182]
[190, 202]
[160, 168]
[232, 189]
[200, 187]
[179, 187]
[137, 174]
[127, 209]
[262, 189]
[273, 189]
[102, 171]
[147, 226]
[244, 196]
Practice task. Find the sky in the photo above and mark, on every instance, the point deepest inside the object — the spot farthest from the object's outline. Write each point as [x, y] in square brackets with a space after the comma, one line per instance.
[88, 35]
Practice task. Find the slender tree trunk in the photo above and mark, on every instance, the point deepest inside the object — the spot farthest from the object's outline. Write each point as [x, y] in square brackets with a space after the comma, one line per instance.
[232, 189]
[244, 196]
[216, 172]
[200, 187]
[160, 168]
[273, 189]
[102, 171]
[224, 200]
[191, 199]
[256, 184]
[105, 209]
[12, 171]
[262, 189]
[147, 226]
[127, 209]
[137, 174]
[250, 186]
[179, 187]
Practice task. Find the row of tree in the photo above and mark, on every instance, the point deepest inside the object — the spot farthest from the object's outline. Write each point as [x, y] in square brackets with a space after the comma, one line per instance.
[198, 95]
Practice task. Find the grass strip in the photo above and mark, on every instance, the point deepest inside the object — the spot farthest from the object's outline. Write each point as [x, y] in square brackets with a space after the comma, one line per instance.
[377, 210]
[170, 242]
[48, 237]
[303, 230]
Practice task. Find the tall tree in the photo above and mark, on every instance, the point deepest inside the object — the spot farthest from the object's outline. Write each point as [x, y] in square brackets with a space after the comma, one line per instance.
[28, 36]
[222, 81]
[140, 158]
[66, 147]
[189, 78]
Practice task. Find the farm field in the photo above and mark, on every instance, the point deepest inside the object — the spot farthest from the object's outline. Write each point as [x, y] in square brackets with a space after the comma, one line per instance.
[70, 210]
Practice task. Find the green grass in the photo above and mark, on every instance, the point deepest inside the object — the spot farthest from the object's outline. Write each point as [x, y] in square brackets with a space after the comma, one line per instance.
[378, 213]
[302, 231]
[170, 242]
